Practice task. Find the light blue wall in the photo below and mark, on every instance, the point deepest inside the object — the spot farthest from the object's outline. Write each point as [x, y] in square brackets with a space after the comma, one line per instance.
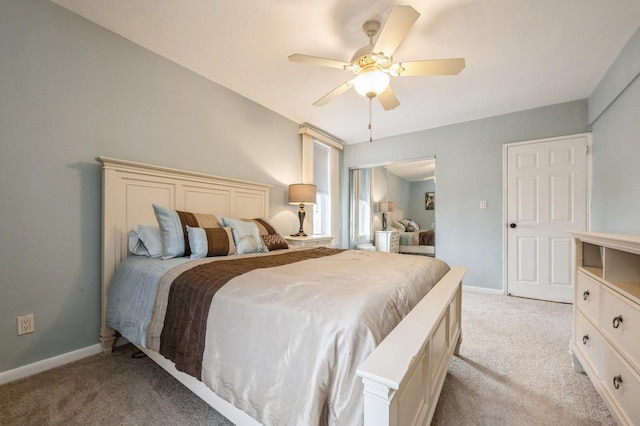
[70, 91]
[615, 108]
[416, 210]
[469, 162]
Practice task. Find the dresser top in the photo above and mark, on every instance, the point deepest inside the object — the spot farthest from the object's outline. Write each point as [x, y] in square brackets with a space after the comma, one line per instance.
[628, 241]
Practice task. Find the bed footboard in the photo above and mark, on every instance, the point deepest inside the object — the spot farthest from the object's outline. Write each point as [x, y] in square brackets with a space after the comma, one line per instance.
[404, 375]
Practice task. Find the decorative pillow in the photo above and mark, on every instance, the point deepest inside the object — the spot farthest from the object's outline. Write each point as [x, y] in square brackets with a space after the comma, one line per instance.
[414, 225]
[246, 236]
[264, 226]
[274, 242]
[394, 227]
[175, 240]
[209, 242]
[145, 240]
[400, 226]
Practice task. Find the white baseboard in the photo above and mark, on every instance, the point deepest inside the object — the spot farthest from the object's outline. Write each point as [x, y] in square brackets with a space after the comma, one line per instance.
[482, 289]
[48, 364]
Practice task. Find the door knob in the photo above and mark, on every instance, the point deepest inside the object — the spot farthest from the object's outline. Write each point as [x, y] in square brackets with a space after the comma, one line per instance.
[512, 225]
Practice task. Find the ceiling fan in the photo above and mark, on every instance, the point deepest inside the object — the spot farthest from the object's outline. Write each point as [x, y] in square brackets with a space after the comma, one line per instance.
[373, 64]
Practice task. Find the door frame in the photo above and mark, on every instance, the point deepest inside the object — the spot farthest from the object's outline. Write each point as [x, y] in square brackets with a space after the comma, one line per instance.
[589, 171]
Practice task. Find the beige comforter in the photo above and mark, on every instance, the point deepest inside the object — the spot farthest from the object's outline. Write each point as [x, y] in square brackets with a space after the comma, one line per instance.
[283, 343]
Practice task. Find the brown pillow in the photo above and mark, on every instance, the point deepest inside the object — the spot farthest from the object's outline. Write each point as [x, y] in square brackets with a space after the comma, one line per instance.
[275, 242]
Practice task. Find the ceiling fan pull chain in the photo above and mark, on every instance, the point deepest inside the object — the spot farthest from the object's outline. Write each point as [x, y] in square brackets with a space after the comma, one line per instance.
[370, 115]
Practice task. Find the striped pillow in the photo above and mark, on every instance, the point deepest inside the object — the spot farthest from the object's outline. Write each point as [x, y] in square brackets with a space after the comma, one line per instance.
[270, 236]
[264, 227]
[173, 223]
[210, 242]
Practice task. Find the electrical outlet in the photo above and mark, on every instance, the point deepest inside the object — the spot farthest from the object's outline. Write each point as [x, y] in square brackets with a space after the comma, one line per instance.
[25, 324]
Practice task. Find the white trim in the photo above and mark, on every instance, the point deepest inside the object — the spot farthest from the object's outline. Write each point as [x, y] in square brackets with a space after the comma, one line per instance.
[318, 135]
[49, 363]
[475, 289]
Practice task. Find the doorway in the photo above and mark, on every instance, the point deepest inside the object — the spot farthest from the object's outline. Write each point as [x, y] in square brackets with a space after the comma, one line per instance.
[546, 195]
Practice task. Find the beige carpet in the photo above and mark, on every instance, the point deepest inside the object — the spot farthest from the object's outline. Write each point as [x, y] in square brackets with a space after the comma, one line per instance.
[514, 369]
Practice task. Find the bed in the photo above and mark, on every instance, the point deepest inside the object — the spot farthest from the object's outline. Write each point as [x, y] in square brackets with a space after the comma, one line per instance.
[422, 241]
[390, 375]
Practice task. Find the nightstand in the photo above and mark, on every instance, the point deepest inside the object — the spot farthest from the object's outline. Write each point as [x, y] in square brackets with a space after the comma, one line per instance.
[310, 241]
[388, 241]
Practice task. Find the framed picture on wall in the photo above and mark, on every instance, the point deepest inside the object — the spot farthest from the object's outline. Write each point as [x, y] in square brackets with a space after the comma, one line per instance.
[430, 200]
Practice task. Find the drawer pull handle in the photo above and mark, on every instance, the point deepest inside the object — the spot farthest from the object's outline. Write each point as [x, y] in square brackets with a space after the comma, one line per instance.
[585, 339]
[617, 381]
[617, 321]
[585, 295]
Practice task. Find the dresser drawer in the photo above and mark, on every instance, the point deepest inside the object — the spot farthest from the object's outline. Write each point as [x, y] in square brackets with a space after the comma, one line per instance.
[588, 341]
[628, 389]
[588, 296]
[620, 320]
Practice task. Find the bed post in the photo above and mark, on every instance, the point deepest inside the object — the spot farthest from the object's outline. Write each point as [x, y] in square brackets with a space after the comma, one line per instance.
[456, 351]
[109, 246]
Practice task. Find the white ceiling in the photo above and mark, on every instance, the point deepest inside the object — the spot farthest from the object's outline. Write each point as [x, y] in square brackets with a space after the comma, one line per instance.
[520, 54]
[414, 171]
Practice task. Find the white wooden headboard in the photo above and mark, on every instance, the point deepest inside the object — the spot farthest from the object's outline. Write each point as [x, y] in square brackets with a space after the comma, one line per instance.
[128, 191]
[397, 214]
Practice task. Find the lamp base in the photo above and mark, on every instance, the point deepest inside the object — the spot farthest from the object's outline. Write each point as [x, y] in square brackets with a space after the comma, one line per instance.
[301, 215]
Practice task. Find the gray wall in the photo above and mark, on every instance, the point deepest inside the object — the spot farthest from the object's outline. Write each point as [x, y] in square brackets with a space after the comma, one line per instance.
[416, 211]
[469, 163]
[71, 91]
[614, 109]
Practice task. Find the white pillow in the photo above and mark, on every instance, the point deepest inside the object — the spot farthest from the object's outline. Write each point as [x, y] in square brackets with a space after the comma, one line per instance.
[246, 236]
[145, 240]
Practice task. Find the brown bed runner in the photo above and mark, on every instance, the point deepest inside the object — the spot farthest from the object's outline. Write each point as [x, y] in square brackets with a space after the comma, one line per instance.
[183, 335]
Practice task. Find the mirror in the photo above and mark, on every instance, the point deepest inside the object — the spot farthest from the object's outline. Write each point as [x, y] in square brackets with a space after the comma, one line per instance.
[400, 195]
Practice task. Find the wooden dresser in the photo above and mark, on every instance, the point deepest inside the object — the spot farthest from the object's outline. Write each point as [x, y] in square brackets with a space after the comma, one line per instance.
[388, 241]
[606, 319]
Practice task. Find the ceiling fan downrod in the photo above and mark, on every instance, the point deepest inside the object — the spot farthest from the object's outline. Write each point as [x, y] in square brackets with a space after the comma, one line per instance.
[370, 118]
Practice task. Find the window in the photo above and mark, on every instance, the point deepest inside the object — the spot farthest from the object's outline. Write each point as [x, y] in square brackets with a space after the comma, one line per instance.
[321, 166]
[322, 179]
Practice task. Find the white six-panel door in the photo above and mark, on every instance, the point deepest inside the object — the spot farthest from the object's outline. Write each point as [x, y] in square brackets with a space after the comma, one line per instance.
[546, 196]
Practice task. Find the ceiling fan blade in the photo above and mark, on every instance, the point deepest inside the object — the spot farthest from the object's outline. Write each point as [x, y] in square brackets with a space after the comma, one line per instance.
[388, 99]
[432, 67]
[395, 29]
[334, 93]
[323, 62]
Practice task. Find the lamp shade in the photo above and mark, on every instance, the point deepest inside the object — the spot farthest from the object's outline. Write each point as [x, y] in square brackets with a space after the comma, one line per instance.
[371, 83]
[386, 206]
[302, 193]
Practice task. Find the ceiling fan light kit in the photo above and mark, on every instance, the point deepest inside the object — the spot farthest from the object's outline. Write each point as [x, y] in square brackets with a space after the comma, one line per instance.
[371, 83]
[373, 64]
